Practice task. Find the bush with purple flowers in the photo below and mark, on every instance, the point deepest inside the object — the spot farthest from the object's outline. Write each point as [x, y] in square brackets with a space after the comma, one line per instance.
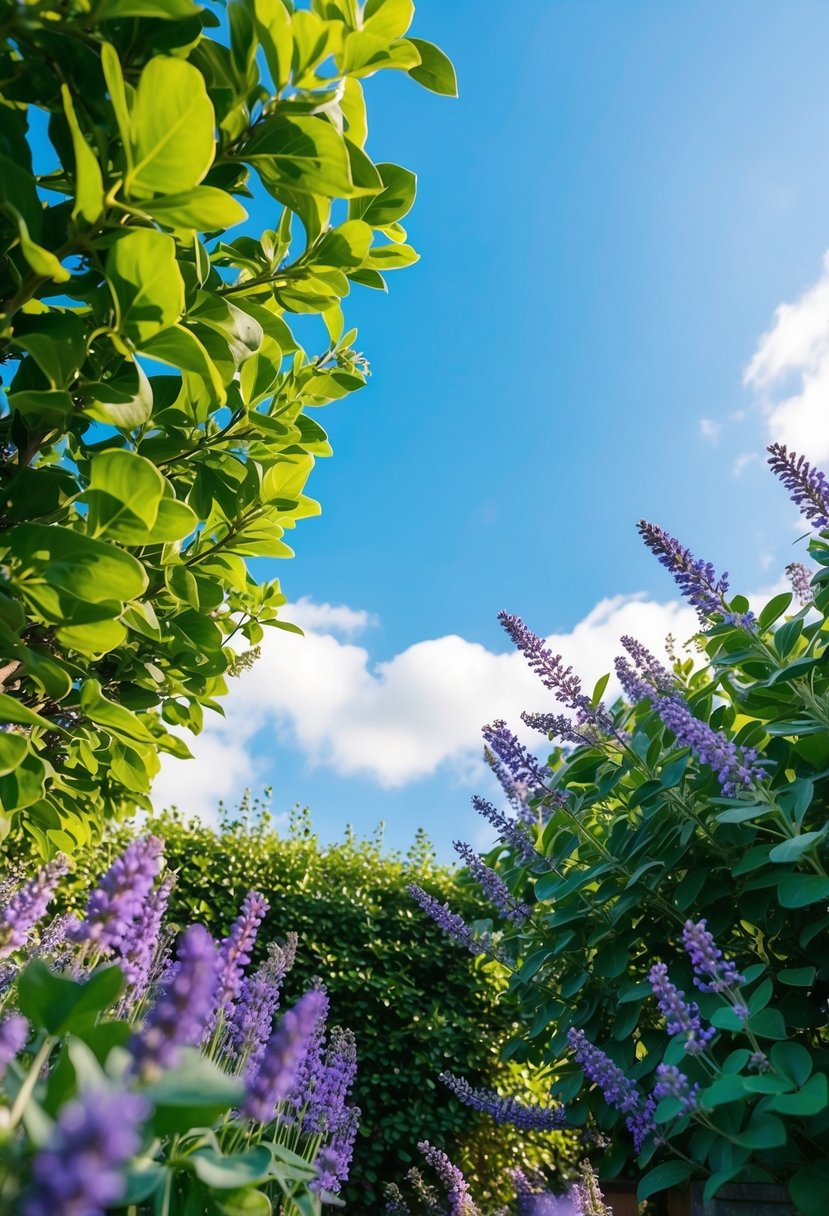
[165, 1085]
[672, 969]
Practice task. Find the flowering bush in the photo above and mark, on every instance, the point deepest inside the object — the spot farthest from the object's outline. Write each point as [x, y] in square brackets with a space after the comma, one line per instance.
[145, 1072]
[679, 839]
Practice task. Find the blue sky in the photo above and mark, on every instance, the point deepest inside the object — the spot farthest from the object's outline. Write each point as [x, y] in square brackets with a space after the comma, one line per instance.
[609, 219]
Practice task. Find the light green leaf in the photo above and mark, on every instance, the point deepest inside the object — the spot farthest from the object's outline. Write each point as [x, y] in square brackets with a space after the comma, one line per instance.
[11, 710]
[388, 18]
[115, 718]
[91, 571]
[13, 749]
[285, 480]
[123, 496]
[42, 261]
[116, 87]
[126, 402]
[394, 200]
[165, 10]
[233, 1170]
[172, 130]
[89, 182]
[391, 257]
[147, 283]
[203, 209]
[364, 53]
[435, 71]
[174, 521]
[56, 342]
[304, 154]
[97, 638]
[273, 28]
[179, 347]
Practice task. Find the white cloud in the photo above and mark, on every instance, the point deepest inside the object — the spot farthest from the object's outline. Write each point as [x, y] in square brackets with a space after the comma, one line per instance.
[394, 721]
[337, 619]
[742, 462]
[710, 429]
[790, 371]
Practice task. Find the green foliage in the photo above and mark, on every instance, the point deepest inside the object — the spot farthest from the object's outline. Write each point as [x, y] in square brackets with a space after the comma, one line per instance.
[639, 838]
[416, 1004]
[155, 431]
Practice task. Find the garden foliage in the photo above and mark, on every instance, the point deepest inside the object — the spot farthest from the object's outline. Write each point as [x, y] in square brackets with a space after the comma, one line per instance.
[156, 428]
[142, 1074]
[417, 1006]
[671, 864]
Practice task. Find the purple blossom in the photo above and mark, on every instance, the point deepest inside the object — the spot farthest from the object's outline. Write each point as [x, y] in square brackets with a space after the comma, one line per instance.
[618, 1091]
[516, 792]
[460, 1200]
[80, 1171]
[451, 924]
[506, 1110]
[184, 1004]
[713, 972]
[509, 831]
[312, 1066]
[334, 1159]
[800, 578]
[493, 886]
[655, 672]
[28, 905]
[140, 945]
[395, 1203]
[273, 1078]
[671, 1083]
[14, 1034]
[235, 951]
[735, 768]
[807, 486]
[697, 580]
[252, 1019]
[682, 1016]
[119, 898]
[634, 687]
[53, 936]
[523, 768]
[325, 1103]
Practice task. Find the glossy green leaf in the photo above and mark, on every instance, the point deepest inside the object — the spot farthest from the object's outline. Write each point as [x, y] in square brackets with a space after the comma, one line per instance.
[147, 283]
[435, 71]
[60, 1005]
[89, 182]
[172, 123]
[202, 209]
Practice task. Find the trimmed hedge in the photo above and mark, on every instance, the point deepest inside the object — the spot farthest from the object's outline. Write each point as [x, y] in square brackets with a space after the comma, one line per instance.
[416, 1002]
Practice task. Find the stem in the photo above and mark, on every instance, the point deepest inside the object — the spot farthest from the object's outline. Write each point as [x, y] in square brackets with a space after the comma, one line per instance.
[28, 1085]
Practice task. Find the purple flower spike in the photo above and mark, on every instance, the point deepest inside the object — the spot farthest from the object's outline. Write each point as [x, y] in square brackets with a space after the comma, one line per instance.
[80, 1172]
[253, 1014]
[524, 769]
[276, 1073]
[682, 1016]
[735, 769]
[453, 926]
[619, 1092]
[119, 898]
[337, 1068]
[14, 1035]
[28, 905]
[655, 673]
[800, 578]
[492, 885]
[506, 1110]
[460, 1200]
[713, 972]
[184, 1004]
[140, 945]
[510, 832]
[671, 1083]
[808, 487]
[334, 1159]
[236, 948]
[697, 580]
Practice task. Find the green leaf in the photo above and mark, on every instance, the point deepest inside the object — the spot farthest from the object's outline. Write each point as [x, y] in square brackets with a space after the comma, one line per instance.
[179, 347]
[203, 209]
[165, 10]
[57, 343]
[798, 977]
[764, 1130]
[792, 1060]
[146, 281]
[794, 848]
[89, 182]
[786, 637]
[304, 154]
[124, 494]
[116, 88]
[435, 71]
[193, 1094]
[808, 1189]
[11, 710]
[233, 1170]
[89, 570]
[116, 718]
[172, 125]
[42, 261]
[774, 609]
[388, 19]
[799, 890]
[811, 1099]
[125, 402]
[60, 1005]
[13, 749]
[245, 1203]
[670, 1173]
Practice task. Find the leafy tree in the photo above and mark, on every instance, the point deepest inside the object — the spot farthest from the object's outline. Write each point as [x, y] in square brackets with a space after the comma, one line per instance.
[155, 425]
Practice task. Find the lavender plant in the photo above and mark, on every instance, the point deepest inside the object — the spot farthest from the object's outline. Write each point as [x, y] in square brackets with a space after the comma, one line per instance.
[677, 841]
[129, 1077]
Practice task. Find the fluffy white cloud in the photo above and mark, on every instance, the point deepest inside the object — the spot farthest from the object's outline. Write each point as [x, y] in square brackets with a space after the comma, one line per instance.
[790, 371]
[395, 721]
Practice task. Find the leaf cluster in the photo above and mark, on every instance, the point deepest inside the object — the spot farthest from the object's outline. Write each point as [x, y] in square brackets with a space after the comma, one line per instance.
[156, 428]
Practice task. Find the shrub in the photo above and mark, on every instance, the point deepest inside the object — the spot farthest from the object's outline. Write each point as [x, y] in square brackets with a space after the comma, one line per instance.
[417, 1006]
[133, 497]
[696, 806]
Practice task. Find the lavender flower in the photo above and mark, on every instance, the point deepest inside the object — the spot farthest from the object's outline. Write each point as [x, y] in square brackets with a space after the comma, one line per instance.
[80, 1171]
[252, 1018]
[14, 1034]
[801, 580]
[807, 486]
[395, 1203]
[119, 898]
[493, 886]
[334, 1160]
[505, 1110]
[28, 905]
[682, 1016]
[140, 944]
[451, 924]
[53, 936]
[735, 769]
[586, 1194]
[713, 972]
[510, 832]
[671, 1083]
[183, 1007]
[235, 951]
[517, 792]
[274, 1077]
[697, 580]
[655, 672]
[312, 1065]
[523, 768]
[634, 687]
[325, 1104]
[460, 1200]
[619, 1092]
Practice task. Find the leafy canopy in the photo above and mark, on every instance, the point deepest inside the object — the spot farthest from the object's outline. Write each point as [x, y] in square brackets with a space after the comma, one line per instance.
[155, 425]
